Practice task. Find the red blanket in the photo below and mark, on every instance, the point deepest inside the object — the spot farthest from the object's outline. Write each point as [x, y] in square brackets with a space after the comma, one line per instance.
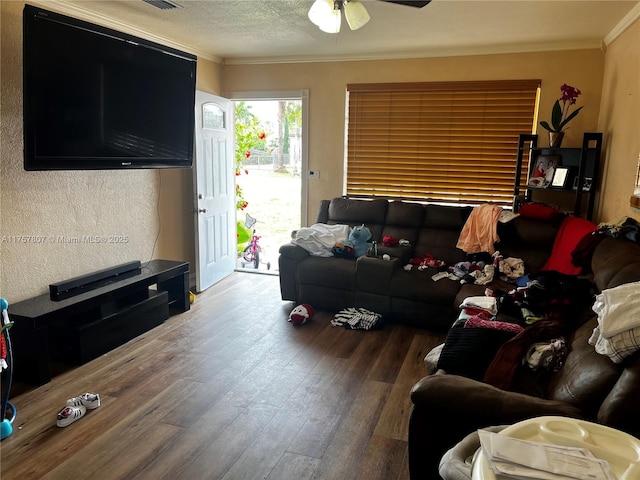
[571, 231]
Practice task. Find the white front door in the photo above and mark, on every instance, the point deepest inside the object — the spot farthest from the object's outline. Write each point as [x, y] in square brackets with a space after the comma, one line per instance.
[214, 182]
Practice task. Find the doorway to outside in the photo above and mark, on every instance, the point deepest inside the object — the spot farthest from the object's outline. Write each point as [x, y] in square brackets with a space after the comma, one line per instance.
[269, 166]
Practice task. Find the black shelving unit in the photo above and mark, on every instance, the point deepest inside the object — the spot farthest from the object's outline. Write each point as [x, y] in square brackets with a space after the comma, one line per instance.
[583, 164]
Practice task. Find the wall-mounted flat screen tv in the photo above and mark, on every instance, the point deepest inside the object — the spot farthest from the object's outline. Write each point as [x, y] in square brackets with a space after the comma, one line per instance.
[95, 98]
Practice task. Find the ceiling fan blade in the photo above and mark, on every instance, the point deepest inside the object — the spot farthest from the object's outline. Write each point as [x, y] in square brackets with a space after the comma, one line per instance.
[410, 3]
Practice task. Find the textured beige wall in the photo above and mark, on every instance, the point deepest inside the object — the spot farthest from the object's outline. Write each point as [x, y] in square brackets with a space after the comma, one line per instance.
[62, 209]
[327, 82]
[620, 121]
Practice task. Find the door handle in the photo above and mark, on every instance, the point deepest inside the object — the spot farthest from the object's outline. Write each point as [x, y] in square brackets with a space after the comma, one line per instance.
[202, 210]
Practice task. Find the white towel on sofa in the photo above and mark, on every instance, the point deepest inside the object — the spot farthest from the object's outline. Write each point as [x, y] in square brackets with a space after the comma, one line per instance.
[488, 304]
[618, 347]
[319, 238]
[618, 332]
[618, 309]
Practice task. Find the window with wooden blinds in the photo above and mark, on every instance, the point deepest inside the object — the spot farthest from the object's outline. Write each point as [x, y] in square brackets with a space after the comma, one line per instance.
[450, 142]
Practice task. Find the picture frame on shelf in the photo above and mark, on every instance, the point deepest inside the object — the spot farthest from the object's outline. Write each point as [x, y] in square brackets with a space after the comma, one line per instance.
[560, 177]
[586, 184]
[542, 173]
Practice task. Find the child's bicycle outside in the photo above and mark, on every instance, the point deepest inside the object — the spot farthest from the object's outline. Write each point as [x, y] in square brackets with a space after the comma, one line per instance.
[251, 253]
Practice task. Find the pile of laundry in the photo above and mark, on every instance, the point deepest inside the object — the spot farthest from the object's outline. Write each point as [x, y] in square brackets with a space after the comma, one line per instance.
[618, 332]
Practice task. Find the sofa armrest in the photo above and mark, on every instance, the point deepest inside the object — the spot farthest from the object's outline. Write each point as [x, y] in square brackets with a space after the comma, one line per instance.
[322, 215]
[293, 252]
[403, 253]
[449, 407]
[620, 408]
[290, 257]
[373, 274]
[488, 404]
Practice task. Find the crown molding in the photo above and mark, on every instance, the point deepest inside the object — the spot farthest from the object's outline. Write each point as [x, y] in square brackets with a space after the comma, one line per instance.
[440, 52]
[625, 23]
[81, 13]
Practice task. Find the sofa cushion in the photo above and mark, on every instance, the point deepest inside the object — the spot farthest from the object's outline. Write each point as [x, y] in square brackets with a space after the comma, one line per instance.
[538, 210]
[529, 239]
[418, 285]
[446, 217]
[404, 221]
[439, 243]
[371, 213]
[586, 377]
[405, 214]
[439, 233]
[614, 262]
[330, 272]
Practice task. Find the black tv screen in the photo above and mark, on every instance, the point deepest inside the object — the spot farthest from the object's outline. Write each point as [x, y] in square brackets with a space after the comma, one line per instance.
[95, 98]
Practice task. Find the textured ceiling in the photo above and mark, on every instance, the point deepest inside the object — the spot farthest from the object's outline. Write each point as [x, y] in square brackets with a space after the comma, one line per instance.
[244, 31]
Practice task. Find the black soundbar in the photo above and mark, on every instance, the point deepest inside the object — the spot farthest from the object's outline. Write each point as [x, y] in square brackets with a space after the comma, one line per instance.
[84, 283]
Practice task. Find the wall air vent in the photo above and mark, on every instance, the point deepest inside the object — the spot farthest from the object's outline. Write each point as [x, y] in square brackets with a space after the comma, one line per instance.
[163, 4]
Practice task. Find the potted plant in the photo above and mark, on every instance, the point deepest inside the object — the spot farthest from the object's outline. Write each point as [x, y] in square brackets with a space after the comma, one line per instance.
[561, 114]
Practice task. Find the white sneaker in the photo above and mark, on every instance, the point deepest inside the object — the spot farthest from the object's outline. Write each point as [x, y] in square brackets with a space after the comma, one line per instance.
[68, 415]
[87, 400]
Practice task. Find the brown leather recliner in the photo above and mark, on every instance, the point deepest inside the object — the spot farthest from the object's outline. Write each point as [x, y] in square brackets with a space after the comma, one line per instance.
[589, 385]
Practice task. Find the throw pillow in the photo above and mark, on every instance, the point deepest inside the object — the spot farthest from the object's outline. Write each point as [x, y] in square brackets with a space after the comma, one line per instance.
[571, 231]
[537, 210]
[470, 351]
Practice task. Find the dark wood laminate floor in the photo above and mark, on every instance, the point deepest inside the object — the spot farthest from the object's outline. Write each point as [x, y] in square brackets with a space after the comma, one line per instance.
[230, 390]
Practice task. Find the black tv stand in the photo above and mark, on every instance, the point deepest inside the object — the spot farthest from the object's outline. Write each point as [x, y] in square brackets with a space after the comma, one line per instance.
[97, 312]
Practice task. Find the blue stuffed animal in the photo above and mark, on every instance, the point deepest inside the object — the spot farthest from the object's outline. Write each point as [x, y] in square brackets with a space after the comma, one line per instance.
[343, 249]
[359, 237]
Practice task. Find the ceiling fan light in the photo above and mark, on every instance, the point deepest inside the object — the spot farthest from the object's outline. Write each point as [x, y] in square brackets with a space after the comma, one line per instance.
[330, 23]
[320, 11]
[356, 15]
[327, 15]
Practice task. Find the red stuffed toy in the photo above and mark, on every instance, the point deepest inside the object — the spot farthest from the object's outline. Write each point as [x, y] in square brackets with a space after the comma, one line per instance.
[428, 260]
[389, 241]
[301, 314]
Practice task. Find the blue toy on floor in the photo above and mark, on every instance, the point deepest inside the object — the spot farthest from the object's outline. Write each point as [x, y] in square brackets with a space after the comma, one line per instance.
[6, 427]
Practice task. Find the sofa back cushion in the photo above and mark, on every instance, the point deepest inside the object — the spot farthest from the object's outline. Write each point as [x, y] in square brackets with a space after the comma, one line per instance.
[352, 212]
[530, 239]
[615, 261]
[440, 231]
[404, 220]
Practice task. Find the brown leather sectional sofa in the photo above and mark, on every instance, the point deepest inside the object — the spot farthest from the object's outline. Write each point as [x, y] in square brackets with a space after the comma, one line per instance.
[589, 386]
[383, 286]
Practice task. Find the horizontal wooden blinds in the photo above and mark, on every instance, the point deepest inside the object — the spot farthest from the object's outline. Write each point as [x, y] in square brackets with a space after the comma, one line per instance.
[451, 142]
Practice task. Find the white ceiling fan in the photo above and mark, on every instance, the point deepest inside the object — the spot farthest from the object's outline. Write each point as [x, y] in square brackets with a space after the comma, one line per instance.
[327, 14]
